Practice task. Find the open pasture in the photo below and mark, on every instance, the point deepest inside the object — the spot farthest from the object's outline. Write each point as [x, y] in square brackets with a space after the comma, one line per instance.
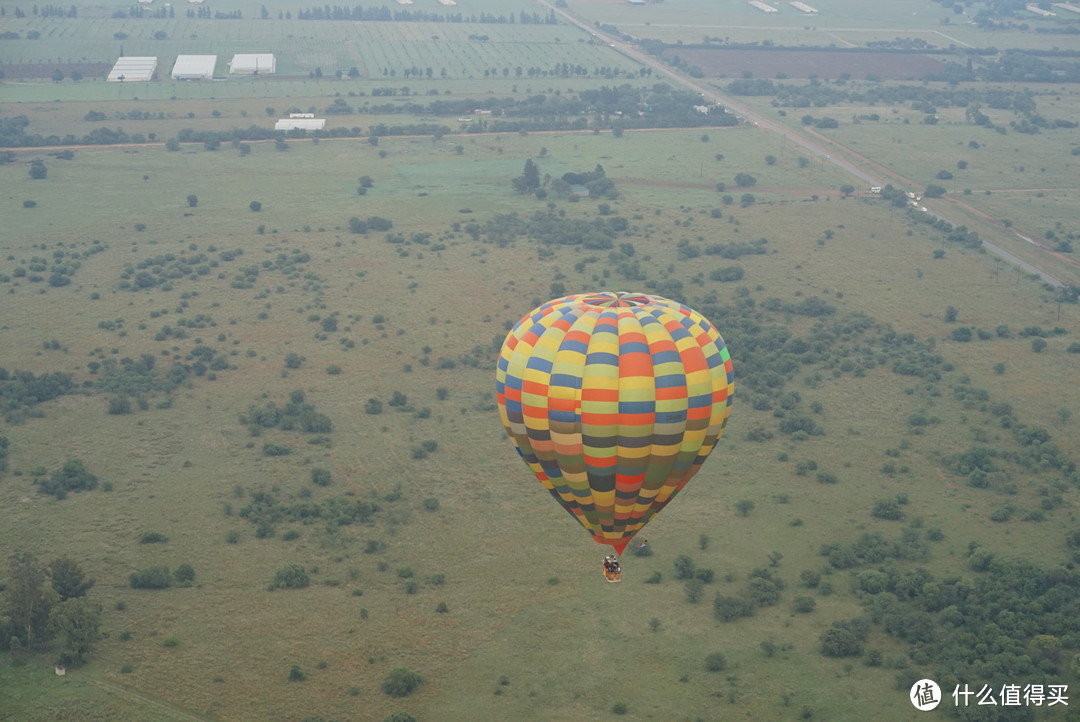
[530, 629]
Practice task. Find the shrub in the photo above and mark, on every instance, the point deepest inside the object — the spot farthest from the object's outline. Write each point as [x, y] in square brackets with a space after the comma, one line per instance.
[296, 674]
[321, 477]
[694, 589]
[276, 450]
[803, 605]
[291, 576]
[400, 716]
[728, 609]
[684, 567]
[431, 504]
[888, 509]
[255, 206]
[715, 662]
[151, 578]
[401, 683]
[184, 573]
[373, 406]
[152, 537]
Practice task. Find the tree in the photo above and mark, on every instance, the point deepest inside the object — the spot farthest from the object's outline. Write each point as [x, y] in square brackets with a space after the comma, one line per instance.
[38, 171]
[366, 181]
[847, 189]
[745, 180]
[78, 620]
[744, 507]
[934, 190]
[68, 579]
[255, 206]
[770, 160]
[172, 144]
[684, 567]
[29, 597]
[192, 200]
[838, 642]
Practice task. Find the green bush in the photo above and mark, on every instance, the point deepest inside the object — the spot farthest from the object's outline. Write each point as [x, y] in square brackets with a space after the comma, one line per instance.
[401, 683]
[152, 537]
[715, 662]
[184, 573]
[291, 576]
[151, 578]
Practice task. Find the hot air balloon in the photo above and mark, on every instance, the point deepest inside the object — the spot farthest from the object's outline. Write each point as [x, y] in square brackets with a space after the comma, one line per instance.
[614, 400]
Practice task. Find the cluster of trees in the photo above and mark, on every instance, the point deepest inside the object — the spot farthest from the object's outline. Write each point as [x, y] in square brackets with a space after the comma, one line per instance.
[160, 577]
[549, 229]
[265, 512]
[1013, 621]
[48, 601]
[372, 223]
[72, 476]
[297, 415]
[922, 98]
[20, 391]
[383, 13]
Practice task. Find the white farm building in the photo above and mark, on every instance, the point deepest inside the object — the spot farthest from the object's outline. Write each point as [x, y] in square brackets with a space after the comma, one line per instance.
[194, 67]
[253, 64]
[763, 7]
[301, 123]
[133, 70]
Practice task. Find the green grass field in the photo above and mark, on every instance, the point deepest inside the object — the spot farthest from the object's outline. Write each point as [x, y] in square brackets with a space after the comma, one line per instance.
[573, 648]
[529, 629]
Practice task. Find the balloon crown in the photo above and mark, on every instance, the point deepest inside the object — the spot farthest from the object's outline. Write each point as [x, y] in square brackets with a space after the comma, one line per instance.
[616, 299]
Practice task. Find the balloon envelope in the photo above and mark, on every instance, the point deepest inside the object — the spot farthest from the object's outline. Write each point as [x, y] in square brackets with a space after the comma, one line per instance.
[614, 400]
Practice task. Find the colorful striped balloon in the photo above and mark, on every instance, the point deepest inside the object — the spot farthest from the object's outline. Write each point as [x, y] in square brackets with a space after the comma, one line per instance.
[614, 400]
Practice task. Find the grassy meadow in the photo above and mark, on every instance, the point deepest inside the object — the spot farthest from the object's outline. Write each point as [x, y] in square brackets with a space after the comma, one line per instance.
[569, 649]
[873, 357]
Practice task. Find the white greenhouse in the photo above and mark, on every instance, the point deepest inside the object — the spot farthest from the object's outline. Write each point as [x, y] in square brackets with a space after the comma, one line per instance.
[253, 64]
[194, 67]
[133, 70]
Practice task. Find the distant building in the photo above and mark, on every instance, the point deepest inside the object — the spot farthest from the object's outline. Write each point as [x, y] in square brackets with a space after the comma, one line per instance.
[1067, 6]
[194, 67]
[302, 123]
[1032, 8]
[763, 7]
[301, 115]
[133, 70]
[579, 190]
[803, 7]
[253, 64]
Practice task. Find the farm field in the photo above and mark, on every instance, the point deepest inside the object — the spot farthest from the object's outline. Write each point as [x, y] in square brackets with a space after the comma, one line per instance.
[277, 358]
[842, 23]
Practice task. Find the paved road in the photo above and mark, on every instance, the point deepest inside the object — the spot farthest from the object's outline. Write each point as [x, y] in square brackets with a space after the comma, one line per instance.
[814, 147]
